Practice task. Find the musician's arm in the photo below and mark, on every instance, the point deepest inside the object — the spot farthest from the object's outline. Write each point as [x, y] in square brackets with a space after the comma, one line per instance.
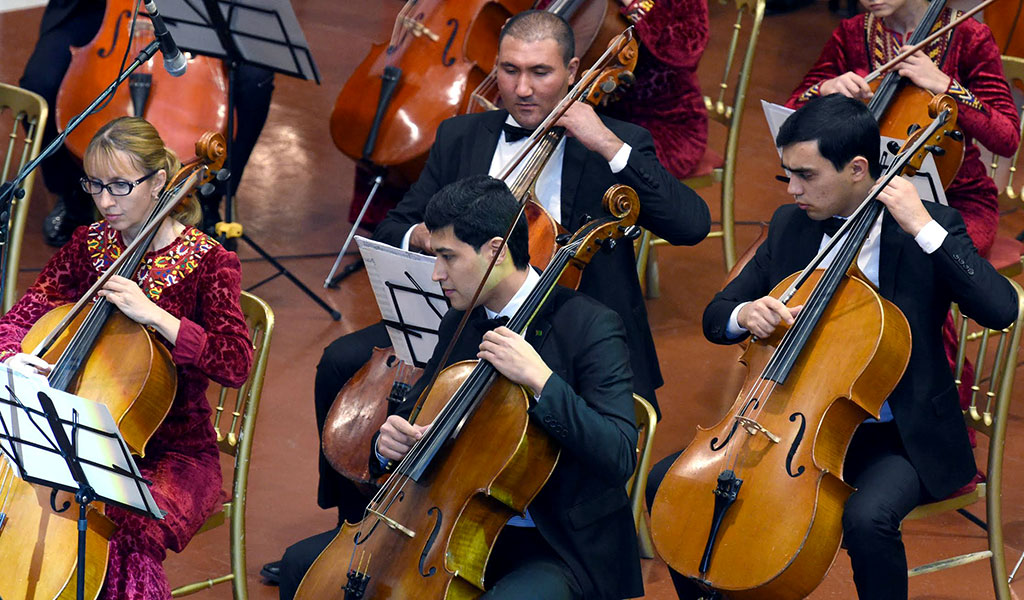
[668, 208]
[973, 283]
[752, 283]
[594, 420]
[986, 109]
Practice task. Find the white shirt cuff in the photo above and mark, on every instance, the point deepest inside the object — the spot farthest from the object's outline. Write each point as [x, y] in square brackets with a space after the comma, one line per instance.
[931, 236]
[406, 238]
[733, 329]
[618, 162]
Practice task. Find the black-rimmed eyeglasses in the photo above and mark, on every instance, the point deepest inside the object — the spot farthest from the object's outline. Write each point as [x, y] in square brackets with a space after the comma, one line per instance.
[114, 188]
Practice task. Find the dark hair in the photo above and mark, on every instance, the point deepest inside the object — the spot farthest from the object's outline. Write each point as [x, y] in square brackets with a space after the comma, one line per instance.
[843, 127]
[480, 208]
[536, 25]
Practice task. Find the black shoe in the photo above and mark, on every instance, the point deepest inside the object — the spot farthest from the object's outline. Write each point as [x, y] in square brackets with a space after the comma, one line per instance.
[271, 573]
[58, 225]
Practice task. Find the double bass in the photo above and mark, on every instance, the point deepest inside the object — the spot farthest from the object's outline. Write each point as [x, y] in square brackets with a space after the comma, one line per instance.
[102, 355]
[752, 508]
[429, 530]
[181, 108]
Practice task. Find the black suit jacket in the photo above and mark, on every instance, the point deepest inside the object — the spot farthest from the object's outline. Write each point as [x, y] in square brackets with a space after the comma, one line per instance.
[583, 510]
[59, 12]
[925, 403]
[465, 146]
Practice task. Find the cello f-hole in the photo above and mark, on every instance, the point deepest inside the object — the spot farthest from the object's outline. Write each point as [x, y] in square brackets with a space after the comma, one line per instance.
[445, 59]
[715, 446]
[105, 52]
[430, 542]
[796, 444]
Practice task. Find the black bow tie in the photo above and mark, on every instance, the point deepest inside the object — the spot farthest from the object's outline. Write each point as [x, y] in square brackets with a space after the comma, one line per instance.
[489, 324]
[831, 225]
[514, 133]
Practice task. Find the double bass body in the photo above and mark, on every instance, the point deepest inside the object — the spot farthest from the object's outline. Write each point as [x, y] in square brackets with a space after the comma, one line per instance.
[780, 536]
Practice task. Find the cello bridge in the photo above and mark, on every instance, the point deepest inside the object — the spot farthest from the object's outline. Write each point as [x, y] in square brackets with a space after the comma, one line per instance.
[753, 428]
[393, 524]
[418, 28]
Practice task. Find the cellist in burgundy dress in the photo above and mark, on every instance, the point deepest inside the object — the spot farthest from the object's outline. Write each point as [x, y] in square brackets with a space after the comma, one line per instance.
[965, 63]
[187, 293]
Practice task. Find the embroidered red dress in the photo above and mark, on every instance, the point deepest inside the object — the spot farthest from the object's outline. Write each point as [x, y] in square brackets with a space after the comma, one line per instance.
[987, 113]
[197, 281]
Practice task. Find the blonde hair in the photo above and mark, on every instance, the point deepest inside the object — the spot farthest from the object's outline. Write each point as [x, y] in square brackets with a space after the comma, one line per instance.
[141, 142]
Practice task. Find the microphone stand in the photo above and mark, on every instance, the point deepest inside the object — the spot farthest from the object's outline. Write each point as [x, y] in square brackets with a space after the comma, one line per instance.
[12, 189]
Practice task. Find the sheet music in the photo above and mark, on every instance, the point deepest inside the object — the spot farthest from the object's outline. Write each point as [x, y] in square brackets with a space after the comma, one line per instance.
[43, 464]
[927, 181]
[411, 304]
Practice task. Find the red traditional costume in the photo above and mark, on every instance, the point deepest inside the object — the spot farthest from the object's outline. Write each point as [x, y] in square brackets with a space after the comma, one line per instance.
[197, 281]
[970, 56]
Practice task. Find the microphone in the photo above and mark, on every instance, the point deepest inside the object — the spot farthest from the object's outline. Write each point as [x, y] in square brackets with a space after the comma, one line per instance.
[174, 60]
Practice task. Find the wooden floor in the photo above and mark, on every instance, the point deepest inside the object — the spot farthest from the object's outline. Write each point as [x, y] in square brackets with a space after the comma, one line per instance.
[294, 200]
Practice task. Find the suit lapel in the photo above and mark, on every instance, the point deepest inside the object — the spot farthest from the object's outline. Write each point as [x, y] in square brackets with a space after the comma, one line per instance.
[483, 145]
[572, 172]
[888, 255]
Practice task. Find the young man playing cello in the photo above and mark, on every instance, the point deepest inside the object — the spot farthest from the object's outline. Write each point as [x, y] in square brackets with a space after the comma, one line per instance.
[577, 538]
[919, 257]
[536, 68]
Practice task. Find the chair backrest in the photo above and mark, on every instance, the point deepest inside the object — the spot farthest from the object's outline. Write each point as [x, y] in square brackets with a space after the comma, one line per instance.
[646, 423]
[994, 357]
[1010, 194]
[234, 415]
[23, 114]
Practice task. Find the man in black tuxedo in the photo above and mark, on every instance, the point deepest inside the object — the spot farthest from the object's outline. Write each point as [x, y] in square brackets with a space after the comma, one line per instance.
[921, 259]
[69, 23]
[577, 538]
[535, 69]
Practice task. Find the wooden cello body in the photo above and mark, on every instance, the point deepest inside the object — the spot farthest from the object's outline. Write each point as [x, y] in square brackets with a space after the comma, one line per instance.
[181, 108]
[780, 539]
[104, 356]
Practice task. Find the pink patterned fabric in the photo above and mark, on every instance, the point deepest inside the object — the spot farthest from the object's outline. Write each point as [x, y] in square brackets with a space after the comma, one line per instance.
[989, 116]
[665, 99]
[198, 281]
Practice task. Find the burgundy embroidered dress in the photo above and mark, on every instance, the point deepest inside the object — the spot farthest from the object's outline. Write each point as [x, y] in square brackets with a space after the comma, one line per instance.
[987, 113]
[197, 281]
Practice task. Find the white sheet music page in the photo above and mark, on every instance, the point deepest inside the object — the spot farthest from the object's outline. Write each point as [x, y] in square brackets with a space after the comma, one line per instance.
[26, 433]
[410, 302]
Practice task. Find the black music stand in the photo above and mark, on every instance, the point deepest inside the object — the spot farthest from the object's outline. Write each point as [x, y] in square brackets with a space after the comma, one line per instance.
[66, 443]
[263, 33]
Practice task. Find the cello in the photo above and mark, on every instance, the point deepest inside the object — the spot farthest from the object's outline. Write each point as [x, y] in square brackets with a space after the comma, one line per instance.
[104, 356]
[752, 508]
[438, 515]
[181, 108]
[357, 413]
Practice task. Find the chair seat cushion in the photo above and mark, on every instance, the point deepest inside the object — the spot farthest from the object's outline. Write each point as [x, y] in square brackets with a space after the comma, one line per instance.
[707, 163]
[979, 477]
[1005, 253]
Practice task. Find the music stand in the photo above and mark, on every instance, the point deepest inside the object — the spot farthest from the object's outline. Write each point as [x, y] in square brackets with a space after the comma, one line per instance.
[66, 443]
[263, 33]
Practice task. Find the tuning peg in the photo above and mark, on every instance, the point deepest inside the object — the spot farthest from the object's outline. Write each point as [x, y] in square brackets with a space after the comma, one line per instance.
[632, 232]
[936, 150]
[893, 146]
[563, 238]
[956, 134]
[912, 128]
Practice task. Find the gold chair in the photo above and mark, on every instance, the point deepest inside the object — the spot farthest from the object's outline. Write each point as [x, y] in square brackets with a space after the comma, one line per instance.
[235, 439]
[646, 422]
[713, 167]
[987, 415]
[27, 112]
[1006, 252]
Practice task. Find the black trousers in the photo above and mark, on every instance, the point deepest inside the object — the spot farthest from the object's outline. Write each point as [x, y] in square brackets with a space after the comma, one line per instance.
[339, 362]
[522, 565]
[888, 488]
[43, 75]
